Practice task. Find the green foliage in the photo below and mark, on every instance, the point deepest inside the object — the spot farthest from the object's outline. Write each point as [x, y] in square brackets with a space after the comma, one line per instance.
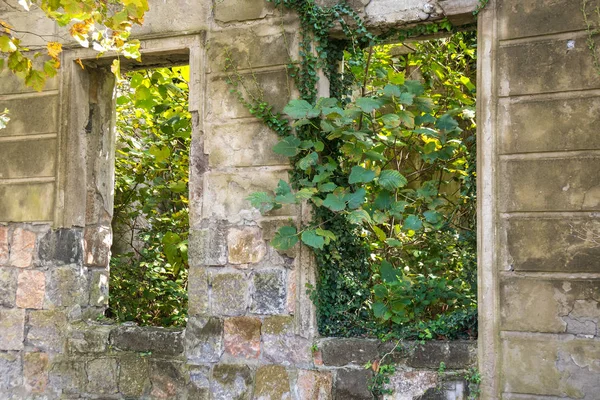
[149, 266]
[591, 18]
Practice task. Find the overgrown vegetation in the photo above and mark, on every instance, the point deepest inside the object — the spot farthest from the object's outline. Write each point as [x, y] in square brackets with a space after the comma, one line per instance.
[150, 223]
[389, 168]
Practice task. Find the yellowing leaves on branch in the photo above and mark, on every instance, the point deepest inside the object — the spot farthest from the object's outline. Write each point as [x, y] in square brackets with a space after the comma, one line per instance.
[103, 25]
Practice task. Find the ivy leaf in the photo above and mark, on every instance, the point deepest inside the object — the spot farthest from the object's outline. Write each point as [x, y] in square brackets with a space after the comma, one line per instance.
[305, 193]
[368, 104]
[263, 201]
[288, 146]
[283, 193]
[299, 108]
[327, 187]
[308, 161]
[285, 238]
[357, 217]
[391, 179]
[334, 202]
[355, 199]
[310, 238]
[360, 174]
[412, 222]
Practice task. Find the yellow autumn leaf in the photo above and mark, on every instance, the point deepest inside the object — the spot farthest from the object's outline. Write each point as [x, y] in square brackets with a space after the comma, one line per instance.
[54, 49]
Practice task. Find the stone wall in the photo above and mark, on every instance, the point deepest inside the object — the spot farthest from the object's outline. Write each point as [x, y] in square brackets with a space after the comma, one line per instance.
[251, 330]
[540, 202]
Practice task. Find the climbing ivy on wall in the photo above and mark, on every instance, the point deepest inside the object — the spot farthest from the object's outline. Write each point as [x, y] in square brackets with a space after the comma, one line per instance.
[388, 166]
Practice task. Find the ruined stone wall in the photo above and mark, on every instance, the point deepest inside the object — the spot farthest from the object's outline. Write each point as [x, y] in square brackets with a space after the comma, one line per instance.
[251, 331]
[539, 194]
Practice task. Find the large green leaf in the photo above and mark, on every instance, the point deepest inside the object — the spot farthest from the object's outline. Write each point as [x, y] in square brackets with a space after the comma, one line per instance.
[285, 238]
[310, 238]
[334, 202]
[389, 274]
[301, 109]
[360, 175]
[368, 104]
[391, 179]
[355, 199]
[288, 146]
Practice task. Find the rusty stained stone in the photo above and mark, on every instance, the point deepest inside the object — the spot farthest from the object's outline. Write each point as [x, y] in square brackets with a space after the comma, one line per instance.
[3, 245]
[96, 244]
[242, 337]
[21, 248]
[245, 245]
[314, 385]
[30, 289]
[35, 371]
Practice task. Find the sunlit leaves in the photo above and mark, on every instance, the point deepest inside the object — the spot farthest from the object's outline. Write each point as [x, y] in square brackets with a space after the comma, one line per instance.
[285, 238]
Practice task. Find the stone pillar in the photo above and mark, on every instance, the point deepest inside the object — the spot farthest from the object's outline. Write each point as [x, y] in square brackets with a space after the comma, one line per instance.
[539, 194]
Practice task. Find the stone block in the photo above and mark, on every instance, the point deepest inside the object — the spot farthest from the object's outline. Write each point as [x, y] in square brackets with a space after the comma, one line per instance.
[31, 202]
[232, 382]
[555, 124]
[168, 379]
[98, 288]
[340, 352]
[278, 325]
[12, 329]
[68, 377]
[134, 376]
[199, 387]
[3, 245]
[155, 340]
[24, 122]
[564, 367]
[552, 306]
[66, 286]
[204, 339]
[47, 330]
[353, 384]
[244, 144]
[22, 246]
[272, 383]
[269, 294]
[8, 287]
[224, 105]
[518, 19]
[31, 289]
[96, 244]
[62, 247]
[229, 293]
[232, 10]
[35, 372]
[88, 339]
[225, 193]
[197, 291]
[287, 349]
[554, 184]
[242, 337]
[101, 376]
[246, 245]
[546, 66]
[11, 371]
[208, 246]
[411, 384]
[18, 156]
[314, 385]
[551, 244]
[454, 354]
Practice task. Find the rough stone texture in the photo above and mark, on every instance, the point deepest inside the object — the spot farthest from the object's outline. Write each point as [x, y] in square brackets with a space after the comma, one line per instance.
[62, 247]
[161, 341]
[408, 385]
[88, 339]
[16, 156]
[22, 246]
[229, 293]
[269, 295]
[167, 379]
[3, 245]
[98, 288]
[197, 291]
[33, 202]
[31, 289]
[204, 339]
[287, 349]
[8, 287]
[231, 382]
[11, 371]
[66, 286]
[353, 385]
[96, 244]
[232, 10]
[35, 371]
[340, 352]
[455, 355]
[245, 245]
[272, 383]
[68, 377]
[208, 246]
[47, 330]
[12, 324]
[199, 388]
[101, 376]
[242, 337]
[134, 379]
[314, 385]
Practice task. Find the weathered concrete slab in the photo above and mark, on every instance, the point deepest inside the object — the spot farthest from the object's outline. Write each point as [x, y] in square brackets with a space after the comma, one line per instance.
[31, 115]
[31, 202]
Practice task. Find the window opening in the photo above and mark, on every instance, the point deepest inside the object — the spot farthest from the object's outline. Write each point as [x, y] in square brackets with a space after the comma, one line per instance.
[149, 263]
